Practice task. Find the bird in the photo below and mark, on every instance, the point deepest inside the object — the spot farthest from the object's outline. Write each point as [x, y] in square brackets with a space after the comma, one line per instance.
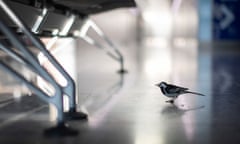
[173, 91]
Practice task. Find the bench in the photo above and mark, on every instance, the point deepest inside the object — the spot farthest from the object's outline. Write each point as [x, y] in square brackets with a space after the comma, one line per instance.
[33, 19]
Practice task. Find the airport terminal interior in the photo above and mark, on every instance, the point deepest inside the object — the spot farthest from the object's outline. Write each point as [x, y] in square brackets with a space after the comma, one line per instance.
[188, 43]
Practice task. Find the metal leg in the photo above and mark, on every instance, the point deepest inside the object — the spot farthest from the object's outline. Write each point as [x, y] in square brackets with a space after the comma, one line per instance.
[69, 89]
[56, 99]
[110, 43]
[117, 55]
[33, 64]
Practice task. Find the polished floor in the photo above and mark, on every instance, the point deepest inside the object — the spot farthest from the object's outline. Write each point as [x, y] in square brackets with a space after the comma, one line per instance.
[129, 108]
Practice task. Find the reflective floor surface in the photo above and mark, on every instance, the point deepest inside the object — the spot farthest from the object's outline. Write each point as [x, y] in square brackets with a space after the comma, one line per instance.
[130, 109]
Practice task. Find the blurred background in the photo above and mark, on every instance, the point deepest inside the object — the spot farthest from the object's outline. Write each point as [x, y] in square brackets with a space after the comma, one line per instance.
[191, 43]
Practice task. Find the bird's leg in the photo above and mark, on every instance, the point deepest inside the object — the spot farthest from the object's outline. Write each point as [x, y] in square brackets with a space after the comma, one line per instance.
[170, 101]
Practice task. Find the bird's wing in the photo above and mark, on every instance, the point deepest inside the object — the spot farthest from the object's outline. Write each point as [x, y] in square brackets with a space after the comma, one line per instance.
[182, 88]
[175, 89]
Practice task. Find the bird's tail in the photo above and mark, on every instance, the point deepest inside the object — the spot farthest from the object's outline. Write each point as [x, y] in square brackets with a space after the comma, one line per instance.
[195, 93]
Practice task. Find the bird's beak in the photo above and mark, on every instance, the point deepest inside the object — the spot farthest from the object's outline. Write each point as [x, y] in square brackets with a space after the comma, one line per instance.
[156, 84]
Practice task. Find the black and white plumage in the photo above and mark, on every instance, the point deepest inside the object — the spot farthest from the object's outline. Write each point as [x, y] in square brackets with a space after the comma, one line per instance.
[173, 91]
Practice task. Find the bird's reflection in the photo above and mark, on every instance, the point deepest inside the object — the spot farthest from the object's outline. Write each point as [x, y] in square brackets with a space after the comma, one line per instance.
[175, 110]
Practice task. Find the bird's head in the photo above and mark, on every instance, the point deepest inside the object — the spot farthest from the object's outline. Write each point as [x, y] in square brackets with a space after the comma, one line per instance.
[162, 84]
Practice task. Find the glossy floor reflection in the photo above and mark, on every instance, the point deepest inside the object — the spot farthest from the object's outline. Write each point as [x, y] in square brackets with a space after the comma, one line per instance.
[130, 109]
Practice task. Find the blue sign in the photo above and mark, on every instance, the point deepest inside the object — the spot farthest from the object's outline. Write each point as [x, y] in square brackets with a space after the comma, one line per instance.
[226, 22]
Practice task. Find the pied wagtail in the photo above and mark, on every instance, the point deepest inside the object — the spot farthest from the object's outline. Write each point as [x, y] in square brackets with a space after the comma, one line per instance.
[173, 91]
